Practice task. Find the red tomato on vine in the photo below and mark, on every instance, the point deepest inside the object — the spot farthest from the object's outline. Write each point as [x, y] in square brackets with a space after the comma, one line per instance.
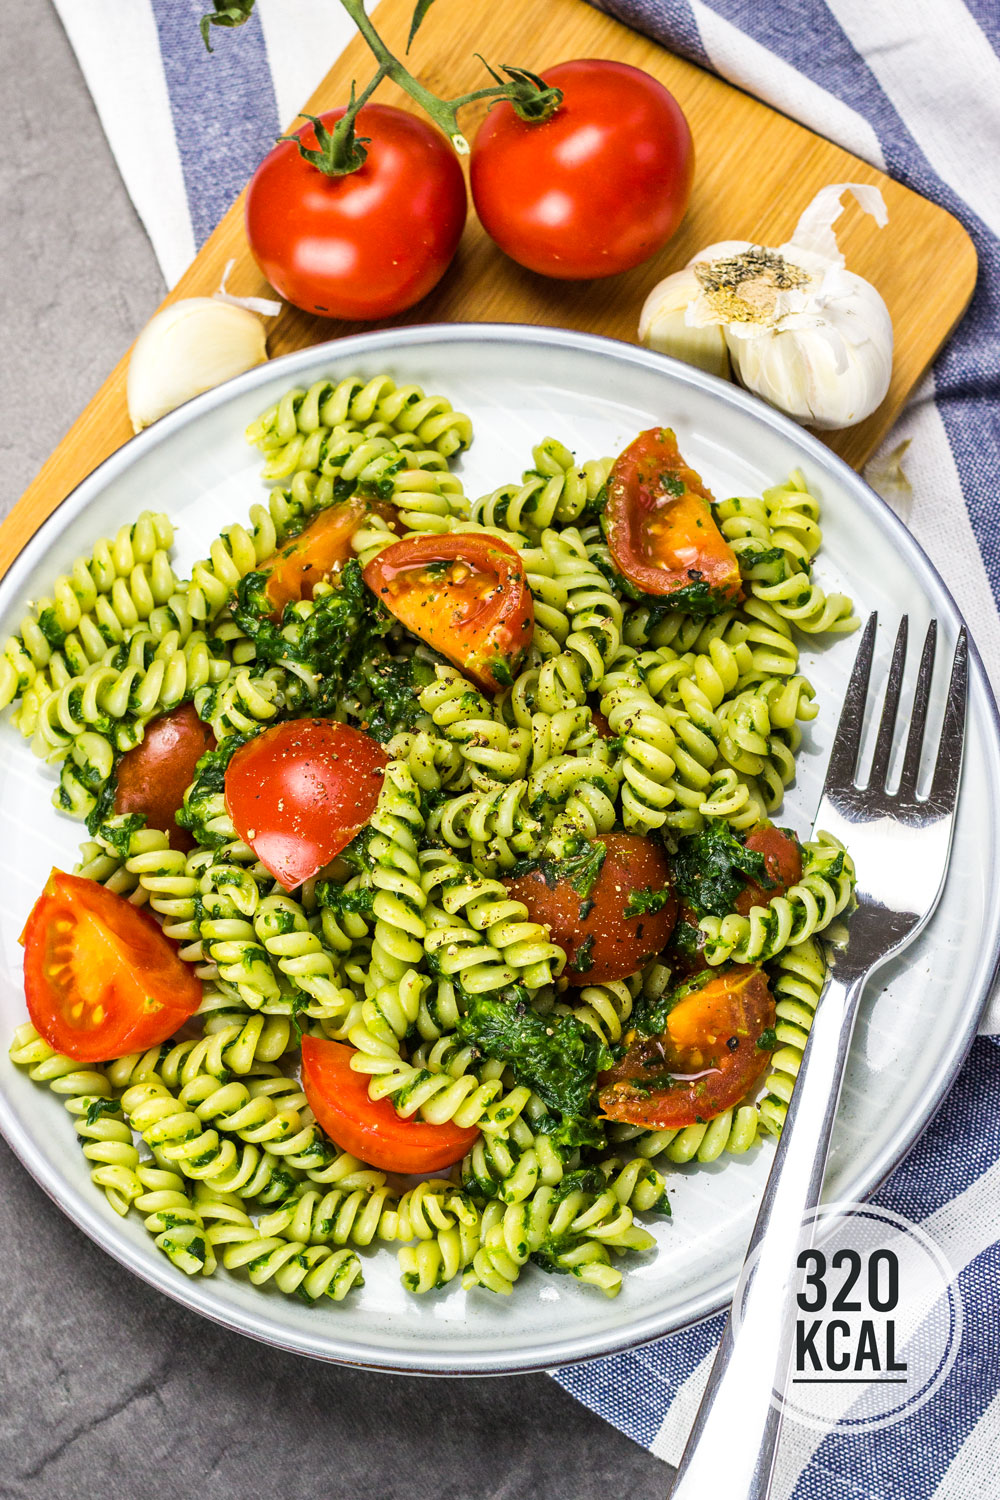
[357, 241]
[596, 187]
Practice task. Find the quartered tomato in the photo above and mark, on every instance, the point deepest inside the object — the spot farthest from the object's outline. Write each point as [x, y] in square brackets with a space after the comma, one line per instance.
[318, 551]
[299, 792]
[660, 530]
[100, 978]
[153, 778]
[371, 1128]
[782, 865]
[707, 1060]
[601, 942]
[466, 595]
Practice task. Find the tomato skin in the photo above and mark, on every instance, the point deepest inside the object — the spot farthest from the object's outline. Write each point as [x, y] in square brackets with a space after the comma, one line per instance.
[483, 623]
[300, 791]
[152, 778]
[321, 548]
[734, 1007]
[100, 978]
[659, 524]
[782, 862]
[370, 1128]
[595, 189]
[618, 944]
[601, 724]
[366, 244]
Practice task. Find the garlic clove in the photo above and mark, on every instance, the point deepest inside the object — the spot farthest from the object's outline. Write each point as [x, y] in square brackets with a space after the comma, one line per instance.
[665, 327]
[188, 348]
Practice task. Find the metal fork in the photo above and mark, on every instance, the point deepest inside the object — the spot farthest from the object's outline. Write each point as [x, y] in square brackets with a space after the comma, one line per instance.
[900, 843]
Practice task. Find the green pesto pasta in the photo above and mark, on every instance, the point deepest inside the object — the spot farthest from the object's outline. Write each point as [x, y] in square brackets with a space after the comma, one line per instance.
[471, 1013]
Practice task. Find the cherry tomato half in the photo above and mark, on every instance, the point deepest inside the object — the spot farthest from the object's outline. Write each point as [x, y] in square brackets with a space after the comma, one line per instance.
[370, 1128]
[660, 530]
[100, 978]
[321, 549]
[366, 244]
[782, 865]
[465, 595]
[707, 1060]
[595, 189]
[602, 943]
[153, 778]
[299, 792]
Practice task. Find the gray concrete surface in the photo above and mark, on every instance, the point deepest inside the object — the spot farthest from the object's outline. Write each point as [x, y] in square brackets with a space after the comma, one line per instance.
[108, 1389]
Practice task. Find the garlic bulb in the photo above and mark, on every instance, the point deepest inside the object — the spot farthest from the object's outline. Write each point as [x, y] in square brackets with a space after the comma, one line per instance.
[187, 348]
[803, 332]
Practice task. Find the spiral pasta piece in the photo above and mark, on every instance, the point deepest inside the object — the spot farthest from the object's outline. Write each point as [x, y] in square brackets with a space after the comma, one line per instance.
[402, 409]
[523, 945]
[732, 1132]
[395, 873]
[797, 978]
[296, 946]
[340, 1216]
[510, 1166]
[547, 1224]
[594, 619]
[87, 1094]
[553, 491]
[308, 1271]
[605, 1008]
[775, 539]
[462, 715]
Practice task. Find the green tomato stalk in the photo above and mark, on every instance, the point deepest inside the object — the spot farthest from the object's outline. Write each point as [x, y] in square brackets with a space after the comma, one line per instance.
[342, 150]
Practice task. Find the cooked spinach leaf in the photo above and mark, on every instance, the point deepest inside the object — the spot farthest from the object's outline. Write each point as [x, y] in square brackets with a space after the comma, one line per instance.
[640, 903]
[579, 866]
[558, 1057]
[712, 867]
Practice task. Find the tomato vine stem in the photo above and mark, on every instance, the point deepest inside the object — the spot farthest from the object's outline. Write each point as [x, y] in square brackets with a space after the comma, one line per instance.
[341, 150]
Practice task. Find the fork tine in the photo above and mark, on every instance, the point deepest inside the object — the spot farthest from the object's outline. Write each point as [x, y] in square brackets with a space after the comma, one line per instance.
[918, 718]
[948, 769]
[847, 741]
[887, 727]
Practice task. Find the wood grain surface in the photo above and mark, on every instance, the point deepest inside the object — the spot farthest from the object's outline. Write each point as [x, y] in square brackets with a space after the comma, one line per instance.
[756, 171]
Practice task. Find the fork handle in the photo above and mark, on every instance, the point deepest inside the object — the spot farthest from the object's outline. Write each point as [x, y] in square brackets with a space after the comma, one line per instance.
[731, 1449]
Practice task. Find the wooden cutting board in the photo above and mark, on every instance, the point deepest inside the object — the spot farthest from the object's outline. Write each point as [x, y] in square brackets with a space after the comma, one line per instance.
[756, 171]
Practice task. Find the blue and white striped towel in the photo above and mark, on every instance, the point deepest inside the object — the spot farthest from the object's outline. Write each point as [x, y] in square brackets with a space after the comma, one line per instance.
[912, 86]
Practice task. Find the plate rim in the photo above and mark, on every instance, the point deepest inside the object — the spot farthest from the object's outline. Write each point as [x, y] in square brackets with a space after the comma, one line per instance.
[582, 1347]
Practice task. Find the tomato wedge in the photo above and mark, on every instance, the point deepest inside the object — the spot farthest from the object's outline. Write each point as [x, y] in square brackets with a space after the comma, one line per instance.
[299, 792]
[153, 778]
[466, 595]
[100, 978]
[371, 1128]
[660, 530]
[707, 1060]
[322, 548]
[782, 864]
[590, 922]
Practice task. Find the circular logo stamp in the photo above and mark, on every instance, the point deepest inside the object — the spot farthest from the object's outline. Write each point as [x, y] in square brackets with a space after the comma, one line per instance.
[873, 1320]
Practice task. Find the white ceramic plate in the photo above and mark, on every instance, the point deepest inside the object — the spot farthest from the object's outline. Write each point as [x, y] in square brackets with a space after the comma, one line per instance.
[519, 385]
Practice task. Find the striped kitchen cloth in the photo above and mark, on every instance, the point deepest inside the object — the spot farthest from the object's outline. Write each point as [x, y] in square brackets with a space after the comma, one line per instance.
[913, 86]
